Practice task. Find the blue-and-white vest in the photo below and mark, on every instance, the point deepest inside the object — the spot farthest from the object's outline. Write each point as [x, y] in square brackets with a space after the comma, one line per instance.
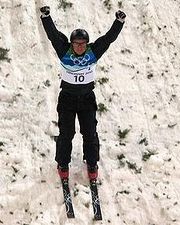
[78, 69]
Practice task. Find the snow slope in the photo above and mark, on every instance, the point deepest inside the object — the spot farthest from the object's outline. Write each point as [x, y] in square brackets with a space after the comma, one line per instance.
[139, 174]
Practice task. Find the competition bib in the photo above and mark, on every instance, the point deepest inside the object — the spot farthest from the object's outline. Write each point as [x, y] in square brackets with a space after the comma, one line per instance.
[84, 76]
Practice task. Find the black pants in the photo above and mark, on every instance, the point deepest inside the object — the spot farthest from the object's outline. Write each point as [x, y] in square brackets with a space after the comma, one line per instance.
[84, 107]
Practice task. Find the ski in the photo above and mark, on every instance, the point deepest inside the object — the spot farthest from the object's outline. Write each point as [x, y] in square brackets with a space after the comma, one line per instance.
[95, 200]
[67, 198]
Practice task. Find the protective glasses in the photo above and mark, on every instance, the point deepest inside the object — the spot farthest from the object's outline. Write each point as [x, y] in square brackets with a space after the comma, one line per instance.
[79, 44]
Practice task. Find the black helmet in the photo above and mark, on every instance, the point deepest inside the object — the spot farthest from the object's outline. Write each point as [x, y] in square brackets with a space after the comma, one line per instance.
[79, 34]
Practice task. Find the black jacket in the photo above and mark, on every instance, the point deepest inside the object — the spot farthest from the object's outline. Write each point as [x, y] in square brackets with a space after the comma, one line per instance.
[61, 46]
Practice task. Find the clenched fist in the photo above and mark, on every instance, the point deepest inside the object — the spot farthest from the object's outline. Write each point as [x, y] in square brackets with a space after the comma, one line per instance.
[45, 10]
[120, 16]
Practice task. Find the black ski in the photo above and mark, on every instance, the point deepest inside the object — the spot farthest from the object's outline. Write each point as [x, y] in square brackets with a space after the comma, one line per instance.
[95, 200]
[67, 199]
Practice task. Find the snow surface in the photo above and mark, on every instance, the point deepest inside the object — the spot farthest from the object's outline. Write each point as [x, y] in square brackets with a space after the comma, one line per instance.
[139, 178]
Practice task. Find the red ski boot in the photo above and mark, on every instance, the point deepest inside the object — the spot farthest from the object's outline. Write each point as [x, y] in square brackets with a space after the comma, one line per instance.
[92, 172]
[63, 172]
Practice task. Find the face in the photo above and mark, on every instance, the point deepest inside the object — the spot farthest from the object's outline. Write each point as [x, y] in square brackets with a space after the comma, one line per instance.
[79, 46]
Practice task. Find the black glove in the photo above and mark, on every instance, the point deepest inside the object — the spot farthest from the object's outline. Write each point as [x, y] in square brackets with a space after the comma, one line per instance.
[45, 10]
[120, 16]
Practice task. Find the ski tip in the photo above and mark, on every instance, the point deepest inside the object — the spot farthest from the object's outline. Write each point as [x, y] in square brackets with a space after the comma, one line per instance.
[70, 215]
[98, 217]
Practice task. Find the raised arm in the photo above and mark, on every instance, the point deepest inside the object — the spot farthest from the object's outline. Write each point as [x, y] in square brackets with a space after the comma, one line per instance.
[57, 38]
[103, 42]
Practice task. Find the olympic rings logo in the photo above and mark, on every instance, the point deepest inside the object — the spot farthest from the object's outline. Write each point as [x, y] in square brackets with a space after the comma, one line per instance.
[80, 61]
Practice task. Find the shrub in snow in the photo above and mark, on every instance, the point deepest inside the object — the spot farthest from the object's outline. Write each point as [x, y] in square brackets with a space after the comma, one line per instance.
[64, 4]
[120, 4]
[102, 108]
[147, 155]
[4, 54]
[107, 4]
[103, 80]
[123, 134]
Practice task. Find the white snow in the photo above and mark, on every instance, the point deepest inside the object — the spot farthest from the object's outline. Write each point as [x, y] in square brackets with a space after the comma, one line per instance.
[142, 95]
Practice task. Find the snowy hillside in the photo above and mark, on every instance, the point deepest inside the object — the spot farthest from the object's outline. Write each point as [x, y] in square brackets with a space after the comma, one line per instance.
[138, 89]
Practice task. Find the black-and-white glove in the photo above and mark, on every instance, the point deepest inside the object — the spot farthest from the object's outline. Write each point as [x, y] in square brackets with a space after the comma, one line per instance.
[120, 16]
[45, 10]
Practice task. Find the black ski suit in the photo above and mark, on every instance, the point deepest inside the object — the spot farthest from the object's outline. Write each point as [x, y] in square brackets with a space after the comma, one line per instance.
[78, 99]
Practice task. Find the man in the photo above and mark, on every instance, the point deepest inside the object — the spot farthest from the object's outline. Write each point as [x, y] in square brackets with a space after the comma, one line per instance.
[78, 59]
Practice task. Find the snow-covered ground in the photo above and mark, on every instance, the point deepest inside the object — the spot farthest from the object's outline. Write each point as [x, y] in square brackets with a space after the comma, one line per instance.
[139, 178]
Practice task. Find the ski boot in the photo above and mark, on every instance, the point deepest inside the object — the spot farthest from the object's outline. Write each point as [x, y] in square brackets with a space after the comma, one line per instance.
[63, 172]
[92, 172]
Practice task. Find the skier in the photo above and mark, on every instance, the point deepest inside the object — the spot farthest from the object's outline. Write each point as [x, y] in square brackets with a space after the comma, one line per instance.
[78, 59]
